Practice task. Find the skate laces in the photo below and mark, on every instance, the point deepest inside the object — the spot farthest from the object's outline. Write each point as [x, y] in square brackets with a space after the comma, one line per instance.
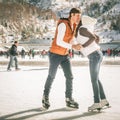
[104, 102]
[70, 100]
[45, 100]
[95, 105]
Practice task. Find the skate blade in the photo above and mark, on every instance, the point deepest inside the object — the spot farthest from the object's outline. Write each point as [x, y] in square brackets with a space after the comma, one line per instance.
[17, 70]
[43, 109]
[70, 108]
[106, 107]
[95, 110]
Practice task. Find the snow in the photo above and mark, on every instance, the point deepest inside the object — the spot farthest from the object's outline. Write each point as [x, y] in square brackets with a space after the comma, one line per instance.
[62, 8]
[104, 29]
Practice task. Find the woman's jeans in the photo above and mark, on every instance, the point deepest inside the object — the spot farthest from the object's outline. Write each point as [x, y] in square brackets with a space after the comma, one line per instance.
[95, 60]
[54, 61]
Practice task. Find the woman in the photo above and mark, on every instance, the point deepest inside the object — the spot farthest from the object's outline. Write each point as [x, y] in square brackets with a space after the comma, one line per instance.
[91, 49]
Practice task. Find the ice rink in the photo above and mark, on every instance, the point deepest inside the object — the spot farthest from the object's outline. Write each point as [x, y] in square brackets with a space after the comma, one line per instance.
[21, 94]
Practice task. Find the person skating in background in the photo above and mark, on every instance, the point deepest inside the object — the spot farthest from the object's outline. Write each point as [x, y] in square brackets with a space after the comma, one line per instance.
[91, 49]
[23, 53]
[13, 56]
[58, 55]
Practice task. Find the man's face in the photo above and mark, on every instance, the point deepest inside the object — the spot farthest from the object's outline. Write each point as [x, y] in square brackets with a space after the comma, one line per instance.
[75, 17]
[16, 44]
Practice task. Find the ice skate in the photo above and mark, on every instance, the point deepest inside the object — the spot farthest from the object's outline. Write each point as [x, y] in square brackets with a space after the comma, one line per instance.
[9, 69]
[70, 103]
[17, 69]
[105, 104]
[45, 103]
[94, 107]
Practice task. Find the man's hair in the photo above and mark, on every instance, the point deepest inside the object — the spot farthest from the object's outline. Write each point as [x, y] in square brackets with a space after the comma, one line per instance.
[74, 11]
[16, 42]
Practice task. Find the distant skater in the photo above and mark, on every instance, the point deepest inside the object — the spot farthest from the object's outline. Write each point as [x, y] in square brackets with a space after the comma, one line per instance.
[13, 56]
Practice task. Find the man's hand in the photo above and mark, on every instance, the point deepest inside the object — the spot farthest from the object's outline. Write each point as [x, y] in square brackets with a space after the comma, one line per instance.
[77, 46]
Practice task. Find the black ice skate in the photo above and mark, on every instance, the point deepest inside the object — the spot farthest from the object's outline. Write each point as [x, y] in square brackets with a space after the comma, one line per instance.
[9, 69]
[17, 69]
[70, 103]
[45, 102]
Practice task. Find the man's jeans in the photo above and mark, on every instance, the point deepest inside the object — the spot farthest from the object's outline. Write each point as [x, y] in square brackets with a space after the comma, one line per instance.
[95, 60]
[54, 61]
[13, 58]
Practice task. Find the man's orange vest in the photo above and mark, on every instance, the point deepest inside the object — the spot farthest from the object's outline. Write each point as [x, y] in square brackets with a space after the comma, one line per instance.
[67, 38]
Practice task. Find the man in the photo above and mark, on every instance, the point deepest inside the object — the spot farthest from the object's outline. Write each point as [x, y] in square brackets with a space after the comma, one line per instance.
[58, 55]
[13, 56]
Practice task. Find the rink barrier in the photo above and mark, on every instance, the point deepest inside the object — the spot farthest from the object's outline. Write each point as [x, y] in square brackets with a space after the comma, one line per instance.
[74, 63]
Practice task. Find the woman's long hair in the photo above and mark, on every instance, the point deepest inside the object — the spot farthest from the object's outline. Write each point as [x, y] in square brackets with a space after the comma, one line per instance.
[78, 26]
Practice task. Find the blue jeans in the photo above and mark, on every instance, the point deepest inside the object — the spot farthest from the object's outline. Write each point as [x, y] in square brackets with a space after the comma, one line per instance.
[11, 61]
[54, 61]
[95, 60]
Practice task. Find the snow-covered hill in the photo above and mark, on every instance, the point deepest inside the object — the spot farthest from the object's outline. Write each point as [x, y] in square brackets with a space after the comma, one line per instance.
[108, 14]
[39, 20]
[106, 22]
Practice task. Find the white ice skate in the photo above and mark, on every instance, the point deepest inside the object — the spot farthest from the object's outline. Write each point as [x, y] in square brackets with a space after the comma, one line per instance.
[105, 104]
[94, 107]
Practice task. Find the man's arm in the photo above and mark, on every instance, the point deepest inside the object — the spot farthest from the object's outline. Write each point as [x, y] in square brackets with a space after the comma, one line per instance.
[60, 37]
